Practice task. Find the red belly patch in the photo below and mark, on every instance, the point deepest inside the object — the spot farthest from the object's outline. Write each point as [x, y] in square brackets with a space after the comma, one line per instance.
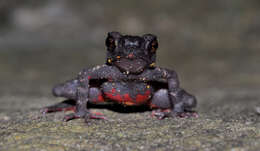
[100, 98]
[127, 99]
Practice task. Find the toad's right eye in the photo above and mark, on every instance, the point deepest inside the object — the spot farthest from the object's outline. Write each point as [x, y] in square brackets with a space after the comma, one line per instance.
[110, 43]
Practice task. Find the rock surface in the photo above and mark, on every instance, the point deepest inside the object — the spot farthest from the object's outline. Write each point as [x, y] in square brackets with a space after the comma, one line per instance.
[220, 126]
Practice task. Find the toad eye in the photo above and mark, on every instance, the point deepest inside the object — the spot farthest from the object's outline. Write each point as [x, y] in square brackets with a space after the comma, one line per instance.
[110, 43]
[153, 46]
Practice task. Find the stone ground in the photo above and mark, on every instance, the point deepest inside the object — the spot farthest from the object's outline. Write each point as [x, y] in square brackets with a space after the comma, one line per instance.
[213, 46]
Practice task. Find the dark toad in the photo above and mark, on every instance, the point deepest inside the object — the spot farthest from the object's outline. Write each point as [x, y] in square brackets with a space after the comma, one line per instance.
[129, 77]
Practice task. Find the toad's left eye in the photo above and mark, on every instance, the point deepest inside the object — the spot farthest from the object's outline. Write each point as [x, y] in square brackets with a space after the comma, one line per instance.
[153, 45]
[110, 43]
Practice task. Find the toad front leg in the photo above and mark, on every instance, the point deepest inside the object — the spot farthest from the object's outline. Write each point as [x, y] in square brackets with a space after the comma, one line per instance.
[182, 102]
[84, 93]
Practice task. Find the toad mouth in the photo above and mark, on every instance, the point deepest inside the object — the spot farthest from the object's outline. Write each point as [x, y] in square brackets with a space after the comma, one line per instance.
[131, 65]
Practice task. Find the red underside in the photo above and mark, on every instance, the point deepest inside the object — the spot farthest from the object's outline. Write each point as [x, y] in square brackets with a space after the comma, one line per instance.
[126, 98]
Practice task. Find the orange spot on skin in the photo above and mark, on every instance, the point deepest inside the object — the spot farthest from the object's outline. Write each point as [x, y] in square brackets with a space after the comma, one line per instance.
[128, 100]
[129, 103]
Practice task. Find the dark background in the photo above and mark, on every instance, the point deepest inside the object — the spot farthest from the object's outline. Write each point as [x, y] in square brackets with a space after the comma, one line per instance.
[213, 46]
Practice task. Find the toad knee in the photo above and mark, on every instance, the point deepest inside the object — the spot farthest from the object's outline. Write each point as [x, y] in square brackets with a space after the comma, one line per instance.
[57, 90]
[190, 101]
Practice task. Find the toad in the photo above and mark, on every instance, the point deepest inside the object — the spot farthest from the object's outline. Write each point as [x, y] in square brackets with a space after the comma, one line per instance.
[129, 77]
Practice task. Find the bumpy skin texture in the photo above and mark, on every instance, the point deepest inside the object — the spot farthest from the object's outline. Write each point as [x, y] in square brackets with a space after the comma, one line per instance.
[129, 77]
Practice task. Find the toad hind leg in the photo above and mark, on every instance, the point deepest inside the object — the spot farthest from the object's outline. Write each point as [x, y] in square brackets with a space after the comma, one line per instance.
[67, 90]
[182, 108]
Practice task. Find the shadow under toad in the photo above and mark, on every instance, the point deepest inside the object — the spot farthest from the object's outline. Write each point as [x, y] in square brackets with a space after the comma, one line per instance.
[67, 104]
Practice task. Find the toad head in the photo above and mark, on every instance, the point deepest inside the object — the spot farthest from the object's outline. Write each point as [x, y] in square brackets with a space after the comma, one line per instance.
[131, 54]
